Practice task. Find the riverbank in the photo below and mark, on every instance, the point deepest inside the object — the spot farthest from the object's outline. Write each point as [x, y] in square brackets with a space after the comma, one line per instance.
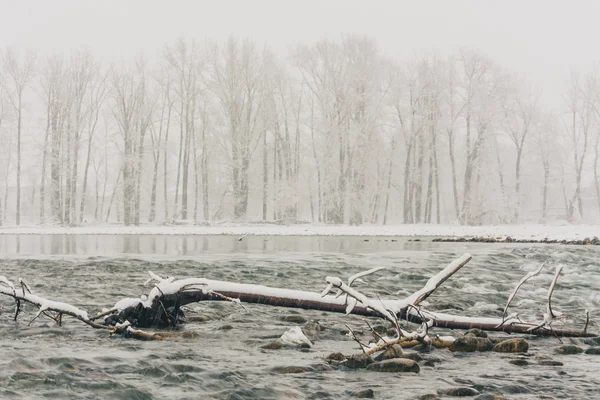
[490, 233]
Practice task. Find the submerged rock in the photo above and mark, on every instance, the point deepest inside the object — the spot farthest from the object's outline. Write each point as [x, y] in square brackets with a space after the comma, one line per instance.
[336, 357]
[294, 318]
[569, 349]
[519, 345]
[364, 394]
[274, 345]
[519, 362]
[291, 370]
[313, 327]
[593, 350]
[460, 392]
[395, 365]
[471, 343]
[359, 361]
[429, 396]
[550, 363]
[395, 351]
[476, 332]
[488, 396]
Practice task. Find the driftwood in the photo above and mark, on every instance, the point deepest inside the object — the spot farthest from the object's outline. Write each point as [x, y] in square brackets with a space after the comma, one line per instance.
[162, 307]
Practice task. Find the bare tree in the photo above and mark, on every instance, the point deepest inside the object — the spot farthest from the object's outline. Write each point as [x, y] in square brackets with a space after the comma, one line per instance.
[16, 76]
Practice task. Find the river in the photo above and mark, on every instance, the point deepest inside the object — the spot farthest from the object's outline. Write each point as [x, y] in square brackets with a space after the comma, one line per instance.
[226, 361]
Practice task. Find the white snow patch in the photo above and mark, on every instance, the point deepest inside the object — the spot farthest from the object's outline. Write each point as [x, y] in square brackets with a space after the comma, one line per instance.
[531, 231]
[295, 336]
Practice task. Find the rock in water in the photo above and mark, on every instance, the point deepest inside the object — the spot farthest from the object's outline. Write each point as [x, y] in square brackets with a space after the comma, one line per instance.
[460, 392]
[593, 350]
[569, 349]
[291, 370]
[395, 365]
[519, 345]
[476, 332]
[295, 336]
[336, 357]
[364, 394]
[471, 343]
[395, 351]
[359, 361]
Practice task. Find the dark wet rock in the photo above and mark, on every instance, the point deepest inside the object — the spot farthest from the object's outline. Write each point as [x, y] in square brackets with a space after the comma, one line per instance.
[550, 363]
[593, 350]
[429, 396]
[488, 396]
[190, 335]
[321, 367]
[336, 357]
[595, 341]
[429, 363]
[305, 345]
[291, 370]
[274, 345]
[357, 332]
[471, 343]
[518, 345]
[569, 349]
[364, 394]
[519, 362]
[476, 332]
[395, 365]
[395, 351]
[359, 361]
[313, 327]
[413, 356]
[225, 328]
[294, 318]
[459, 392]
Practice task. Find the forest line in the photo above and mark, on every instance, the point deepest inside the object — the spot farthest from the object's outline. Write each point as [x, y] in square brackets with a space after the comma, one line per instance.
[332, 132]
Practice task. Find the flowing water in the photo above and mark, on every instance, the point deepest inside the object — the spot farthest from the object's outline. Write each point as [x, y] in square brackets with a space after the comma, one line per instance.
[226, 361]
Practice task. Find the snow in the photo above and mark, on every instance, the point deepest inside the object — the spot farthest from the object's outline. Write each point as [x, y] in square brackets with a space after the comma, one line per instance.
[520, 232]
[295, 336]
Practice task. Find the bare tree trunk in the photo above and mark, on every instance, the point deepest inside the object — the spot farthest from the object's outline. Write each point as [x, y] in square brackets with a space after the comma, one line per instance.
[112, 197]
[545, 190]
[205, 205]
[596, 180]
[265, 178]
[19, 124]
[453, 169]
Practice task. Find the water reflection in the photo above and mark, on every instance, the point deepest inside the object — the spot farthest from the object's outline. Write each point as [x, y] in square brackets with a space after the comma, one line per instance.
[181, 245]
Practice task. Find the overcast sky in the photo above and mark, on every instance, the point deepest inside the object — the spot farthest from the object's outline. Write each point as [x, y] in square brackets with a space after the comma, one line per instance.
[542, 39]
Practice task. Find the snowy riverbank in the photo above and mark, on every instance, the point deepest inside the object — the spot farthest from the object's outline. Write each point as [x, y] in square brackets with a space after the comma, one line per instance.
[520, 232]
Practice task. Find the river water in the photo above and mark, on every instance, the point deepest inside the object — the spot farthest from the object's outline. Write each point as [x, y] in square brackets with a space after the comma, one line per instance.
[226, 361]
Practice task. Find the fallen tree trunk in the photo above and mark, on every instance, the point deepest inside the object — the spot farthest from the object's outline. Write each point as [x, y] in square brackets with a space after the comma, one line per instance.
[163, 305]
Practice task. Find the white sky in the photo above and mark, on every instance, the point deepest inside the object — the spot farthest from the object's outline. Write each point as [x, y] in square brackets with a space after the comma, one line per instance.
[542, 39]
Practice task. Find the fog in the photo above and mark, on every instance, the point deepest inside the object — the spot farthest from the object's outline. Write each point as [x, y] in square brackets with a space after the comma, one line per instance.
[346, 113]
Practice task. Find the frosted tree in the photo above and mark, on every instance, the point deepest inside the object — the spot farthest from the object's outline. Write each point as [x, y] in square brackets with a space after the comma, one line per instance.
[520, 114]
[16, 75]
[238, 76]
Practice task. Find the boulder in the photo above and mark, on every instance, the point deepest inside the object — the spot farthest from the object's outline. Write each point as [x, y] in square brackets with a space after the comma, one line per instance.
[518, 345]
[460, 392]
[359, 361]
[364, 394]
[471, 343]
[569, 349]
[395, 365]
[593, 350]
[395, 351]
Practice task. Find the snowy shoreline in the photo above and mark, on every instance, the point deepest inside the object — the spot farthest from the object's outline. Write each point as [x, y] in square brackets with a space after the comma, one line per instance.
[535, 232]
